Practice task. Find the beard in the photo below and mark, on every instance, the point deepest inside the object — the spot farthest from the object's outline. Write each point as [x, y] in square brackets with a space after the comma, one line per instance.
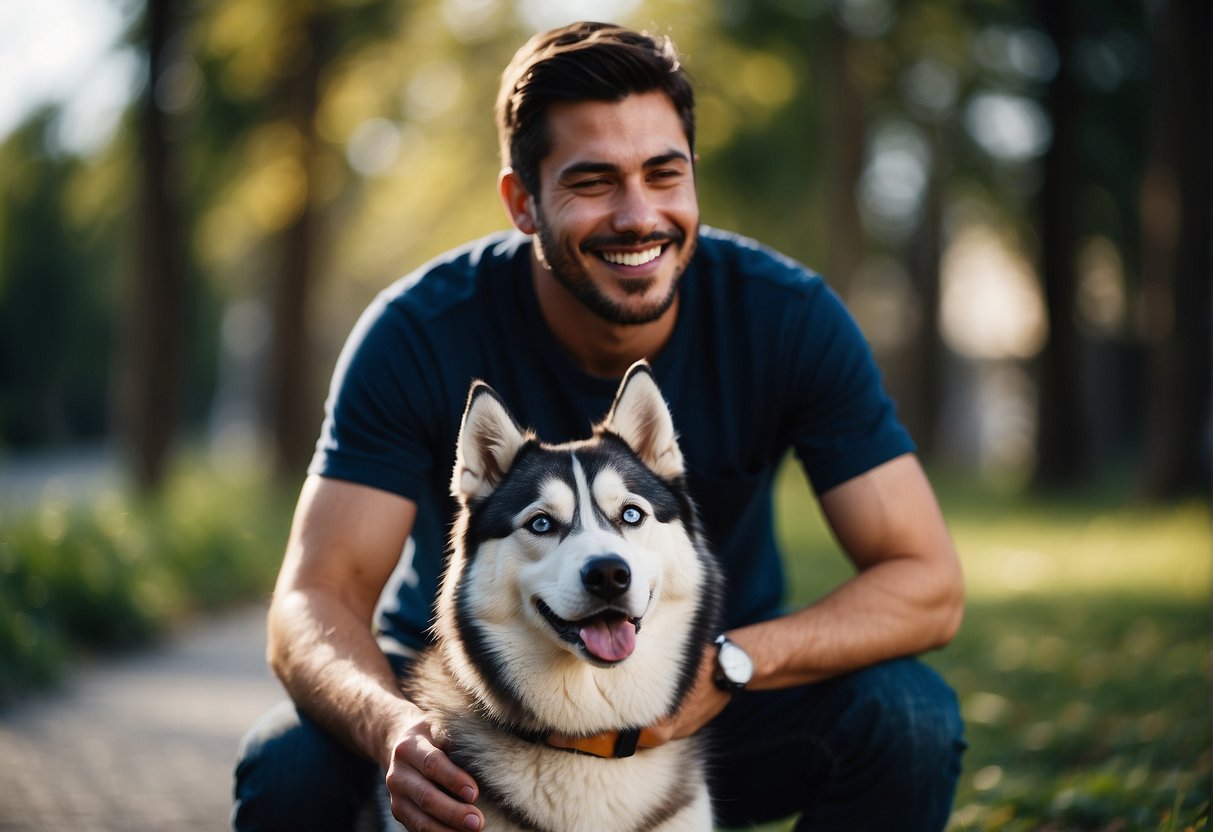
[573, 276]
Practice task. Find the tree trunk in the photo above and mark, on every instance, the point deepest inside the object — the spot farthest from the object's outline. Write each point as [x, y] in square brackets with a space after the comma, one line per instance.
[846, 141]
[926, 251]
[1063, 455]
[1177, 261]
[294, 405]
[151, 386]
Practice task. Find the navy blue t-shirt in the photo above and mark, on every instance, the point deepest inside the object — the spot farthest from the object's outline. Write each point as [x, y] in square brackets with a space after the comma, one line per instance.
[763, 359]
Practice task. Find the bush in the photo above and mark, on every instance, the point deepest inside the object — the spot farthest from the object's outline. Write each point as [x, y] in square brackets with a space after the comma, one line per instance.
[117, 572]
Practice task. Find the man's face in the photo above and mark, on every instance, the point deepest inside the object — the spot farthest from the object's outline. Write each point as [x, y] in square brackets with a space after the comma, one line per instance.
[617, 217]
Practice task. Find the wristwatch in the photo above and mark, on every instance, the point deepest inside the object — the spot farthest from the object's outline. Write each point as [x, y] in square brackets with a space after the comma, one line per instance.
[734, 667]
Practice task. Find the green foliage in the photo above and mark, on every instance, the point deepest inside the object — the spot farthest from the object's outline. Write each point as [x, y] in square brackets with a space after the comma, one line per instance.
[404, 159]
[116, 573]
[55, 328]
[1083, 664]
[1082, 668]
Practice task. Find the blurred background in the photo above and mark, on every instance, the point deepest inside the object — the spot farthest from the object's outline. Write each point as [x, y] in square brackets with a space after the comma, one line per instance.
[197, 199]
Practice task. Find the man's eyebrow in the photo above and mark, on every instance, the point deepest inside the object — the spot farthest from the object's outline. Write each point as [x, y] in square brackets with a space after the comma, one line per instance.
[666, 158]
[583, 168]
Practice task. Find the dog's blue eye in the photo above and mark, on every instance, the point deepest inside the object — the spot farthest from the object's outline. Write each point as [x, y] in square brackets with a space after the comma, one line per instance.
[632, 515]
[541, 524]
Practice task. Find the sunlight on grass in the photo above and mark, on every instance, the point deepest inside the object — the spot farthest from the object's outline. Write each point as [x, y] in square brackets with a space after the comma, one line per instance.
[1163, 551]
[1083, 664]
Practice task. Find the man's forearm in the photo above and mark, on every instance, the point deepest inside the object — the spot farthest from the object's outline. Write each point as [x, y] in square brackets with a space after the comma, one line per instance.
[907, 597]
[895, 608]
[333, 669]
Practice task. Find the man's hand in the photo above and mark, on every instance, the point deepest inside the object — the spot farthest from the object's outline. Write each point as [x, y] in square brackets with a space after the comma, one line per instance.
[702, 704]
[421, 780]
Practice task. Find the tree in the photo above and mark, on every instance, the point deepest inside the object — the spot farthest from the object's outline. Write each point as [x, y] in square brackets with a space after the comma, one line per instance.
[56, 323]
[292, 399]
[152, 380]
[1063, 456]
[847, 133]
[1177, 263]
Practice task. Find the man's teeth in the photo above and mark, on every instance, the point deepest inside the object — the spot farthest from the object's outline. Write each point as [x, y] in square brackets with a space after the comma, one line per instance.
[632, 258]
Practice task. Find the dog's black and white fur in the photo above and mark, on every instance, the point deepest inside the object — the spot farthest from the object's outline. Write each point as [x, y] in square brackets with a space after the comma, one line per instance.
[578, 598]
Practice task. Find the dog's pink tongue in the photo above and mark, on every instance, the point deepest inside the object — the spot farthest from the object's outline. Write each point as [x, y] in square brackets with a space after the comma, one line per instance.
[610, 640]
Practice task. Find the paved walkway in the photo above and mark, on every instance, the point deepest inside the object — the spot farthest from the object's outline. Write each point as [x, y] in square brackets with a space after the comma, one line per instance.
[143, 742]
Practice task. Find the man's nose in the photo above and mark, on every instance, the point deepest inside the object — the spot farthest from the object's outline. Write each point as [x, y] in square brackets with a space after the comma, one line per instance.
[635, 211]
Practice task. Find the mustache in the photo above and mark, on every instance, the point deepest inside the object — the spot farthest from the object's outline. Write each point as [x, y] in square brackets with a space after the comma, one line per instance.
[673, 237]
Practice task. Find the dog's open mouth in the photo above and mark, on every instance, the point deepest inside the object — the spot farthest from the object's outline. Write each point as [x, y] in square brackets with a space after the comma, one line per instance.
[607, 637]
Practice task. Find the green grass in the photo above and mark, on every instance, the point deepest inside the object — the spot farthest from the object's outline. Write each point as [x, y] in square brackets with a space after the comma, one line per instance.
[1083, 663]
[1082, 666]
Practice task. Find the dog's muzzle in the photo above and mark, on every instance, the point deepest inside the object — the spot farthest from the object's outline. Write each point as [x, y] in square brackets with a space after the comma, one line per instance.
[606, 638]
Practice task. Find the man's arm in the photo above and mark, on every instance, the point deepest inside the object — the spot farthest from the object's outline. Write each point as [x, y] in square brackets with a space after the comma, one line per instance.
[344, 543]
[907, 597]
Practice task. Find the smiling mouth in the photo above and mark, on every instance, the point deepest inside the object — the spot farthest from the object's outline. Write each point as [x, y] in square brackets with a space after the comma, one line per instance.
[632, 258]
[605, 638]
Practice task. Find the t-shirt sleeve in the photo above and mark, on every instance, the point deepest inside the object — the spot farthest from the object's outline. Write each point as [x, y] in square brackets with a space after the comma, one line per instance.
[379, 407]
[844, 423]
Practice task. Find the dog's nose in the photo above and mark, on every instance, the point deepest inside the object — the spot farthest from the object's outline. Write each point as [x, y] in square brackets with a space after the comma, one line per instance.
[606, 576]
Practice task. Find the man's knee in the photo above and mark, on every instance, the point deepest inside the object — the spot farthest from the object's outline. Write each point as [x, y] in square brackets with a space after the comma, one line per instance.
[876, 749]
[916, 710]
[914, 723]
[291, 774]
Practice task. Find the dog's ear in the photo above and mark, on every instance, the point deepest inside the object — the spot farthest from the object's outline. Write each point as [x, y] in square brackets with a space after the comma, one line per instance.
[489, 440]
[641, 418]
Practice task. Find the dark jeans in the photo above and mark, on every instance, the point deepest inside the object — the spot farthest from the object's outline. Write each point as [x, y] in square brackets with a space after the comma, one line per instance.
[876, 749]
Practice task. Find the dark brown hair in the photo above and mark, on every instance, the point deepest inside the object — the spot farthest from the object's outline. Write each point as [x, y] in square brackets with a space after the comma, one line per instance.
[582, 62]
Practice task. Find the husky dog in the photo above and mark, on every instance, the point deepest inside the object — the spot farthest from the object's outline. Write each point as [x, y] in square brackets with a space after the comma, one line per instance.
[578, 598]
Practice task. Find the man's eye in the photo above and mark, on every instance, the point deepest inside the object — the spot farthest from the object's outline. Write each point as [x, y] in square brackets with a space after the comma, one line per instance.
[541, 524]
[632, 516]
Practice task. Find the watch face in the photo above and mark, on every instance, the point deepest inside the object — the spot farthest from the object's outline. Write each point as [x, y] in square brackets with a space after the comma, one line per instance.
[735, 663]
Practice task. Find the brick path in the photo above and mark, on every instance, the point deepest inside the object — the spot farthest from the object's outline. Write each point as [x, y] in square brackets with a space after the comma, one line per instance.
[143, 742]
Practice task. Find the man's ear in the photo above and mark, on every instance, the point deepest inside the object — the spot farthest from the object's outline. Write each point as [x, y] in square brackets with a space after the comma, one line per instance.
[517, 200]
[489, 440]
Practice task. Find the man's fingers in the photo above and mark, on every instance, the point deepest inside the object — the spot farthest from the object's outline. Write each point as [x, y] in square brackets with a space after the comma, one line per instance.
[422, 780]
[426, 815]
[437, 767]
[421, 806]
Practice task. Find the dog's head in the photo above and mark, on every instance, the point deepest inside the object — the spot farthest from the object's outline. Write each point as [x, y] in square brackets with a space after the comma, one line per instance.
[573, 562]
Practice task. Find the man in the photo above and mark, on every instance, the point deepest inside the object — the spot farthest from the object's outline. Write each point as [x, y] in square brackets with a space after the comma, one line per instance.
[755, 356]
